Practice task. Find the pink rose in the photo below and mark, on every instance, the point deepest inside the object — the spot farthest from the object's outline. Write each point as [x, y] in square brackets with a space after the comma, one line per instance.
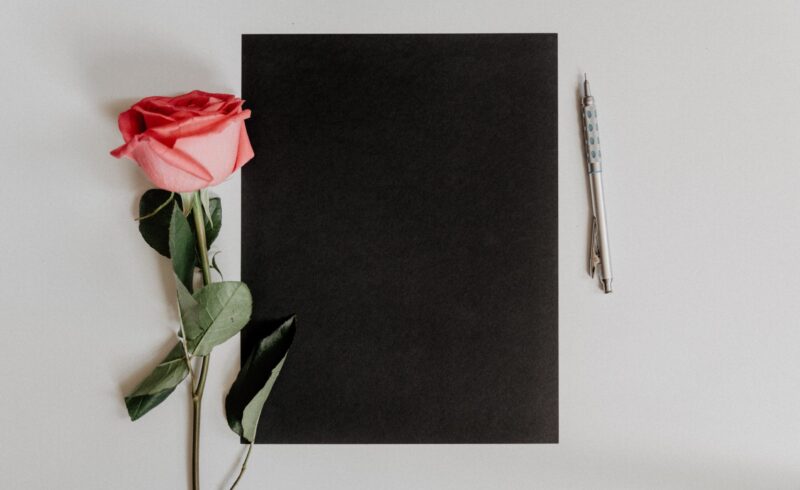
[188, 142]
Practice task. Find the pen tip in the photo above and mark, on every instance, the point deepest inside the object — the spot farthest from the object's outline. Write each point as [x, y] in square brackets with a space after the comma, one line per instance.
[586, 90]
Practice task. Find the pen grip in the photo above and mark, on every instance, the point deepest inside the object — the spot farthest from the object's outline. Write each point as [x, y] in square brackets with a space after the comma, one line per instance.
[591, 133]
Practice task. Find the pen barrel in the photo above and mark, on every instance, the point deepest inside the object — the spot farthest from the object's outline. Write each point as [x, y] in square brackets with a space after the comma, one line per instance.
[594, 161]
[598, 203]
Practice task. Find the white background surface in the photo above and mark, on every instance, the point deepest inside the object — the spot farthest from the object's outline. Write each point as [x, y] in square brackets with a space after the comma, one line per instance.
[687, 376]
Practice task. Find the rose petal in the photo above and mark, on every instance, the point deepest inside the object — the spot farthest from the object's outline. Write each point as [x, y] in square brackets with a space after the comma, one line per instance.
[232, 106]
[217, 149]
[170, 168]
[168, 133]
[123, 151]
[130, 124]
[246, 152]
[152, 119]
[214, 107]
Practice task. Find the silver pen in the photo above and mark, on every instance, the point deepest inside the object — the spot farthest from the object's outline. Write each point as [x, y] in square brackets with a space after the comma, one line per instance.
[599, 253]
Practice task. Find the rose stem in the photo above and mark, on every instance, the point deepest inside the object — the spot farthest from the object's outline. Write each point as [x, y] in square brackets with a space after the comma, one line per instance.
[244, 466]
[197, 395]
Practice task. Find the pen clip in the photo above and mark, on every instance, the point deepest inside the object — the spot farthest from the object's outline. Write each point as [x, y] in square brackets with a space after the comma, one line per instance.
[594, 248]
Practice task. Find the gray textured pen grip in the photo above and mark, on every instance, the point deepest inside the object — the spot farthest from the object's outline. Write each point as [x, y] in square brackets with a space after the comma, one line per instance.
[592, 139]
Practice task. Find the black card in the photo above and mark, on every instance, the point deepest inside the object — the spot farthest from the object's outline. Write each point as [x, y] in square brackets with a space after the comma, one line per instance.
[403, 203]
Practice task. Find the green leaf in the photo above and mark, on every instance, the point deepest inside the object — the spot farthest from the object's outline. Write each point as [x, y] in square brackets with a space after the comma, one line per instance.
[155, 214]
[214, 219]
[159, 384]
[154, 219]
[213, 314]
[181, 247]
[158, 209]
[204, 196]
[215, 266]
[249, 393]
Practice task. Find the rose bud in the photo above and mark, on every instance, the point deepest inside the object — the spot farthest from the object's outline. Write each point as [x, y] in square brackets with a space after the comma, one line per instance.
[188, 142]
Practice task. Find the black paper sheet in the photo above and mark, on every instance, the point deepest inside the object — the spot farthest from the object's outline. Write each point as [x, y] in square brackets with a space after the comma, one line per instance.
[403, 203]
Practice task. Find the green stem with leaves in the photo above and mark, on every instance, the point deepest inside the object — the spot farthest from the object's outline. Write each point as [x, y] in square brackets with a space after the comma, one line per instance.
[197, 391]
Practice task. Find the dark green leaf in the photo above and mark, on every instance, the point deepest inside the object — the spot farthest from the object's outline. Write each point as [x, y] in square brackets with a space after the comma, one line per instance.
[159, 384]
[216, 267]
[214, 220]
[245, 401]
[154, 222]
[181, 247]
[213, 314]
[204, 197]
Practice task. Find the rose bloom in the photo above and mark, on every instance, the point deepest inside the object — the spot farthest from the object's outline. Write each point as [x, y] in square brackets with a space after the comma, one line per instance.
[188, 142]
